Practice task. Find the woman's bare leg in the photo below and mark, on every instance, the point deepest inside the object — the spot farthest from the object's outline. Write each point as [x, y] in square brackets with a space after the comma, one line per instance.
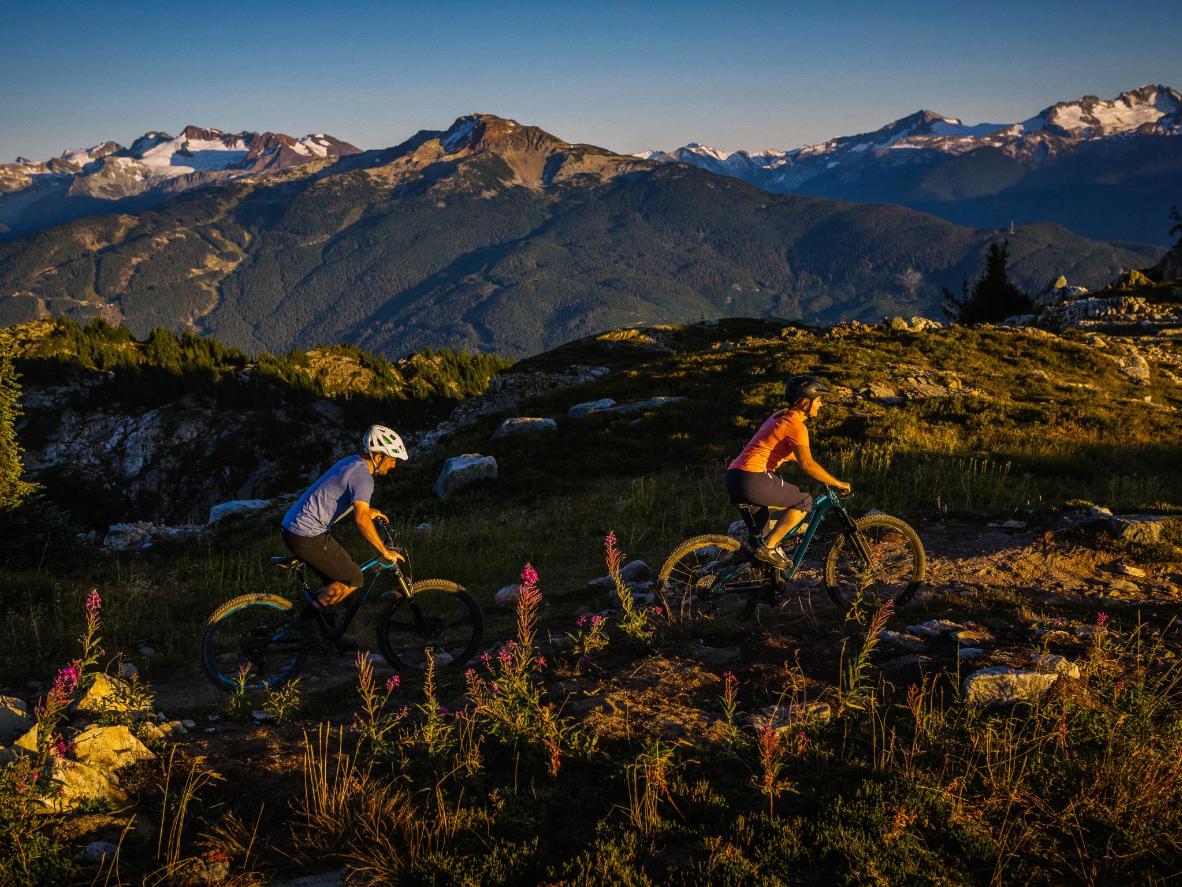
[787, 521]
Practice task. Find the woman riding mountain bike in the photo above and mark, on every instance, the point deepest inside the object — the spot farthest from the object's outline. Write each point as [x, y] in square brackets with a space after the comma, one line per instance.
[751, 477]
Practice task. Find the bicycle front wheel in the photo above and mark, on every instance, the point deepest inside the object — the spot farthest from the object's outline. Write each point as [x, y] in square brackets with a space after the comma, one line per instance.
[702, 577]
[884, 561]
[254, 640]
[439, 619]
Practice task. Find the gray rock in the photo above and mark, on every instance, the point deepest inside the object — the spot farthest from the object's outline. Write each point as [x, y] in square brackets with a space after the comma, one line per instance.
[583, 410]
[1129, 570]
[643, 406]
[934, 628]
[507, 596]
[909, 661]
[1001, 685]
[1059, 665]
[461, 471]
[523, 425]
[737, 529]
[791, 717]
[965, 654]
[95, 853]
[424, 527]
[188, 724]
[236, 506]
[1144, 528]
[636, 571]
[14, 718]
[898, 639]
[1087, 517]
[144, 534]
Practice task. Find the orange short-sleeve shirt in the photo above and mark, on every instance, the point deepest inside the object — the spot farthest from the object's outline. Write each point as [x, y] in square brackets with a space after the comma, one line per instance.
[773, 443]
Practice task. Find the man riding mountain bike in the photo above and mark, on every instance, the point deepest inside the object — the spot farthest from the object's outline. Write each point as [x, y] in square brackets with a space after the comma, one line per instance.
[782, 438]
[346, 485]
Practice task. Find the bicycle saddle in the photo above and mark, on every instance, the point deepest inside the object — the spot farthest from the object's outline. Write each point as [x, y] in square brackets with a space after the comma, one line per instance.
[286, 563]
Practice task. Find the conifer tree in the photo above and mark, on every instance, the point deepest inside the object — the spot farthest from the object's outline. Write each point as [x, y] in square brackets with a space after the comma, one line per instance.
[994, 297]
[12, 488]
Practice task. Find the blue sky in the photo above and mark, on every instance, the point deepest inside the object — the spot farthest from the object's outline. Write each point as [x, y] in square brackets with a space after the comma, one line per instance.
[623, 75]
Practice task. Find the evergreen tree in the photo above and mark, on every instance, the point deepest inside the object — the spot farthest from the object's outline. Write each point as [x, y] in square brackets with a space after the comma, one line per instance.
[12, 488]
[1176, 218]
[994, 297]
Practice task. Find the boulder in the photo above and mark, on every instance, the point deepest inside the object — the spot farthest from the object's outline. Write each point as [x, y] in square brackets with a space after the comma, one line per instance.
[922, 324]
[1059, 665]
[1093, 516]
[144, 534]
[14, 719]
[507, 596]
[898, 639]
[78, 783]
[236, 506]
[109, 748]
[792, 716]
[898, 325]
[95, 853]
[971, 637]
[523, 425]
[965, 654]
[642, 406]
[460, 471]
[1144, 528]
[934, 628]
[1003, 685]
[583, 410]
[105, 694]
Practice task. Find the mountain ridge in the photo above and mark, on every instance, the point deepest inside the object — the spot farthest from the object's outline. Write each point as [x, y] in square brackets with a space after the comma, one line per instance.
[494, 236]
[990, 174]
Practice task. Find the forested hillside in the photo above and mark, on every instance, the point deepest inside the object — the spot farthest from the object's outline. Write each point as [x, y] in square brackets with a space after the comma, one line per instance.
[498, 237]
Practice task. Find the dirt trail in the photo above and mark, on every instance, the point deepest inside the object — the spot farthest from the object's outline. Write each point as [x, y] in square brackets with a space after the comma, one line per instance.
[975, 572]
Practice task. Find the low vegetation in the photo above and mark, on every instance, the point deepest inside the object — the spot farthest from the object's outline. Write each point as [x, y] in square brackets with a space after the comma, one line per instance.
[592, 747]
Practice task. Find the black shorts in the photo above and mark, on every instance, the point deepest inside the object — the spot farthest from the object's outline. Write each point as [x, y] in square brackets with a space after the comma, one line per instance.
[766, 489]
[326, 557]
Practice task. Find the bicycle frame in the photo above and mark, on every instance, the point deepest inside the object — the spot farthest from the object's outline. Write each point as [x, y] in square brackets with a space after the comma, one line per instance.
[822, 505]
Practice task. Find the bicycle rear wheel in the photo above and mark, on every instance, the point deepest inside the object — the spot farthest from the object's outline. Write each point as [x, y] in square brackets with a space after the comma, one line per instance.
[703, 577]
[440, 617]
[254, 638]
[886, 561]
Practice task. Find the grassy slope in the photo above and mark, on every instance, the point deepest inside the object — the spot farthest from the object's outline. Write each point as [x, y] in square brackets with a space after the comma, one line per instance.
[901, 788]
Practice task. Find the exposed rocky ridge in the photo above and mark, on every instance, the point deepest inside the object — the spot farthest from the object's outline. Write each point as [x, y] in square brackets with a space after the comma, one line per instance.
[109, 178]
[989, 174]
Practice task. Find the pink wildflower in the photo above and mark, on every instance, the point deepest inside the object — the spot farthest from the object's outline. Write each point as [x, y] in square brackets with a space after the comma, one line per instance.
[581, 621]
[94, 601]
[1101, 620]
[609, 541]
[392, 682]
[529, 576]
[66, 681]
[540, 662]
[596, 620]
[493, 686]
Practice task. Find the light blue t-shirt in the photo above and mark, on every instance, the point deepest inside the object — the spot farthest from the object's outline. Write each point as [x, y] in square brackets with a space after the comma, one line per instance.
[326, 500]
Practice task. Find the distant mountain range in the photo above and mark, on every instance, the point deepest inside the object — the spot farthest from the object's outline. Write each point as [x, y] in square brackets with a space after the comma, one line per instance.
[110, 178]
[494, 236]
[1105, 169]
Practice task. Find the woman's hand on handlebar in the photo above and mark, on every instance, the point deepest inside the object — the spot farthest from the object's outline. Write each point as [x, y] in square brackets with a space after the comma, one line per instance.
[393, 557]
[842, 487]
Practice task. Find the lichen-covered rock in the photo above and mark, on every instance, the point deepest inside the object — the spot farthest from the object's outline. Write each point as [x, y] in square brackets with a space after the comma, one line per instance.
[585, 409]
[461, 471]
[791, 716]
[105, 695]
[236, 506]
[934, 628]
[1002, 685]
[1053, 664]
[523, 425]
[14, 718]
[642, 406]
[1144, 528]
[76, 783]
[109, 748]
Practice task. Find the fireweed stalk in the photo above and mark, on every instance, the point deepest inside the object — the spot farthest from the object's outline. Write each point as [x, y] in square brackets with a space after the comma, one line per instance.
[591, 636]
[66, 682]
[634, 621]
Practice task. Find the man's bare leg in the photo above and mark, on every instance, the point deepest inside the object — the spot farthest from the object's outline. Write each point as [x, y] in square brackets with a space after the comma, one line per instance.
[334, 593]
[787, 521]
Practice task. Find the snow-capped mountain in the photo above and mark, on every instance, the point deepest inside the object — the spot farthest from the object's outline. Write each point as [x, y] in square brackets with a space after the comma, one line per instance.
[988, 173]
[112, 178]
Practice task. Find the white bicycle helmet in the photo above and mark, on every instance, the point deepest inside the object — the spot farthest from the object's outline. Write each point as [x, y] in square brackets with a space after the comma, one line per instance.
[380, 439]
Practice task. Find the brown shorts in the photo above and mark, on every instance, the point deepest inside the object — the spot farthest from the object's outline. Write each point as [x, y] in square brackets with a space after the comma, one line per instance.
[326, 557]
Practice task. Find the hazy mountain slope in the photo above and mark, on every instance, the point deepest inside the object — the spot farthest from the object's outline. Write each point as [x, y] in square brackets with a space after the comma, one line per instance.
[1105, 169]
[501, 237]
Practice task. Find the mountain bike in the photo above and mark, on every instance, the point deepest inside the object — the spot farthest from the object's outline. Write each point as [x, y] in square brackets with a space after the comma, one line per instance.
[874, 558]
[261, 640]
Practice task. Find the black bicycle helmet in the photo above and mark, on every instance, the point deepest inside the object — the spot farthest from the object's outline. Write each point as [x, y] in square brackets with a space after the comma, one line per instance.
[804, 386]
